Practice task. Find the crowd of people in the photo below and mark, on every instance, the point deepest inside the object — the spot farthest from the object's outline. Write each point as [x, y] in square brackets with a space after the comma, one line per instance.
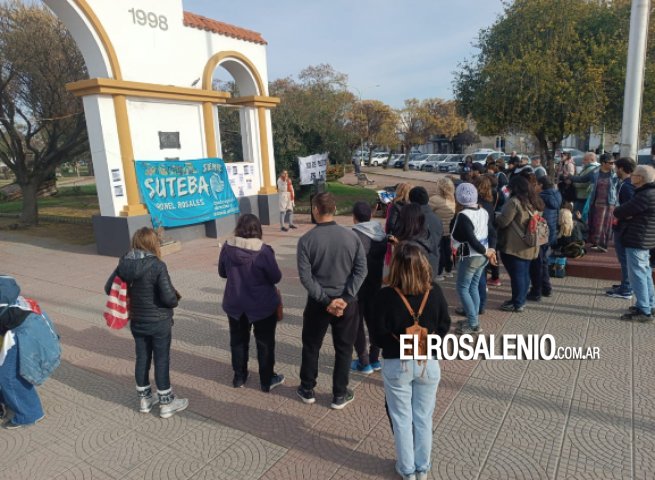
[383, 279]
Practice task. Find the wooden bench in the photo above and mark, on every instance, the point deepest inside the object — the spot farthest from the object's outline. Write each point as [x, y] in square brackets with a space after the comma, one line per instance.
[363, 180]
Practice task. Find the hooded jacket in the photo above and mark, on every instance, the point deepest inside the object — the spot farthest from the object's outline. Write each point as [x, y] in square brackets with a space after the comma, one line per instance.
[553, 201]
[251, 271]
[585, 180]
[152, 295]
[10, 318]
[374, 241]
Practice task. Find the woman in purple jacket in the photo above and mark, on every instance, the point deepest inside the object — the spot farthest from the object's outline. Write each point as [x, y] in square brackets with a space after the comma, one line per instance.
[250, 298]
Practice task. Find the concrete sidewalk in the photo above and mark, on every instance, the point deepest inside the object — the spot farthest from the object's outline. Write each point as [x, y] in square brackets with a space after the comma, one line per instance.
[494, 420]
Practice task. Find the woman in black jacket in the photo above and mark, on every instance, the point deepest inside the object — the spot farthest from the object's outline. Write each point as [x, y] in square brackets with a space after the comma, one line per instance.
[410, 386]
[152, 300]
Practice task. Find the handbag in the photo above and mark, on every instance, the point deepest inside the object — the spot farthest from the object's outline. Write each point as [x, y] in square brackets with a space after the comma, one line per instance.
[279, 312]
[118, 304]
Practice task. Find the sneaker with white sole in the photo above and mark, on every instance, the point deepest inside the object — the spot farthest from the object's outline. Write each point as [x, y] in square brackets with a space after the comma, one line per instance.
[307, 396]
[339, 402]
[167, 410]
[276, 381]
[10, 425]
[146, 404]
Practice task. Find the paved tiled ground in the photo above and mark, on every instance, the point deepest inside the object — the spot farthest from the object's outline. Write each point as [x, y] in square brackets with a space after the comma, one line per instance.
[494, 420]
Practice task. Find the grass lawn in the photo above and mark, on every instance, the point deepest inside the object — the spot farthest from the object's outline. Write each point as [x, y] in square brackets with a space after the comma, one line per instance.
[346, 195]
[80, 201]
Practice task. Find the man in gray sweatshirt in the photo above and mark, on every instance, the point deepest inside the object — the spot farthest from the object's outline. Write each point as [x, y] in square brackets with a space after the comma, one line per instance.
[332, 267]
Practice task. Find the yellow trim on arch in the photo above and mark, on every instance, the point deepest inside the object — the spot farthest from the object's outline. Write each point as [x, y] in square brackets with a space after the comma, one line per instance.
[217, 58]
[104, 38]
[108, 86]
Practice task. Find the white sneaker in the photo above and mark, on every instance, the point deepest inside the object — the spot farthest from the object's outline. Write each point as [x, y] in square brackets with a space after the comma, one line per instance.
[170, 409]
[439, 278]
[421, 475]
[146, 403]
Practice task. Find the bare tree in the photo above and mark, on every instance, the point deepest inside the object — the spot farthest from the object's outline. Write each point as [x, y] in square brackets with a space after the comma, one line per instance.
[41, 124]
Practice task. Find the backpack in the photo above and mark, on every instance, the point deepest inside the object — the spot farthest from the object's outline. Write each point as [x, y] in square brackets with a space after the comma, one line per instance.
[416, 329]
[536, 232]
[118, 304]
[574, 250]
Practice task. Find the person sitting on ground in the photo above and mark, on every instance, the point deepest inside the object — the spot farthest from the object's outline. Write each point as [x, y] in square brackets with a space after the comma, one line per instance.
[29, 353]
[152, 300]
[443, 205]
[374, 241]
[419, 196]
[410, 386]
[572, 232]
[251, 300]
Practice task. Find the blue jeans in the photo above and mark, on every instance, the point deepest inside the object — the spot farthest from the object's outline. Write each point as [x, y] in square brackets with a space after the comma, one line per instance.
[620, 254]
[469, 271]
[411, 393]
[482, 289]
[159, 347]
[519, 275]
[17, 393]
[641, 278]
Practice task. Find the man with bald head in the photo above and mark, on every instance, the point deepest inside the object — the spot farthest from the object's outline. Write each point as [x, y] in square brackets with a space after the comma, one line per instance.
[637, 235]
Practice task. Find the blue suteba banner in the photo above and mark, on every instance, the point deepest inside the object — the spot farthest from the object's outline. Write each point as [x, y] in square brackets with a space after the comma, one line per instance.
[185, 192]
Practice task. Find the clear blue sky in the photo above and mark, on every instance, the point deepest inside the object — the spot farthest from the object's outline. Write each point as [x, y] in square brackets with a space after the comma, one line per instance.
[408, 47]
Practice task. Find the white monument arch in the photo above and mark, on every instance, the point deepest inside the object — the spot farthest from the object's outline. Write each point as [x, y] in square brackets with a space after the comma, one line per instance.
[150, 97]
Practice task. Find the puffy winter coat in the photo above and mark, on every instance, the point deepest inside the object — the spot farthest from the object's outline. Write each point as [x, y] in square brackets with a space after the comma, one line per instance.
[553, 201]
[252, 272]
[152, 296]
[637, 219]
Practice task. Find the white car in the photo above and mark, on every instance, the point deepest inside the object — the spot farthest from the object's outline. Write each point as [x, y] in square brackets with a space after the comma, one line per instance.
[432, 163]
[418, 161]
[379, 158]
[397, 159]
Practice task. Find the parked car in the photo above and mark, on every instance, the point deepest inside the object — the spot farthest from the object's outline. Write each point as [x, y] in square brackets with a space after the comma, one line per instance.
[451, 164]
[417, 162]
[412, 156]
[379, 158]
[481, 157]
[432, 163]
[396, 160]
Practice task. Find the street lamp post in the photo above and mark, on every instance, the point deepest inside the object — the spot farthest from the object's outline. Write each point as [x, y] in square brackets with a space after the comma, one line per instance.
[634, 80]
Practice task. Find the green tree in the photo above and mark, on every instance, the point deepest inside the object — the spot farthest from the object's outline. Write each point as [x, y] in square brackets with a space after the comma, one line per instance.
[415, 124]
[312, 116]
[374, 123]
[548, 67]
[41, 124]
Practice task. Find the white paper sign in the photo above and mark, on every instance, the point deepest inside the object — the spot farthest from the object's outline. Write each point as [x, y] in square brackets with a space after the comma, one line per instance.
[242, 178]
[313, 168]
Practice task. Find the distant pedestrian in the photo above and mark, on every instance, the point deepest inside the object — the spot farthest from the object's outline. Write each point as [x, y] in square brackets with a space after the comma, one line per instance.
[601, 203]
[443, 205]
[625, 190]
[433, 225]
[584, 181]
[250, 300]
[374, 241]
[637, 237]
[410, 386]
[332, 268]
[539, 169]
[287, 200]
[152, 300]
